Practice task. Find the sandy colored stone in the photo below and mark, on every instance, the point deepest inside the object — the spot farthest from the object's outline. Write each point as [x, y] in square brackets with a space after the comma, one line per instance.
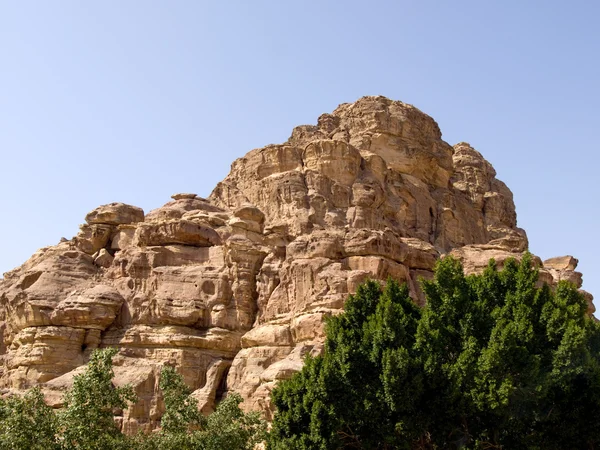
[233, 289]
[175, 232]
[475, 258]
[183, 196]
[103, 258]
[38, 354]
[178, 207]
[268, 334]
[250, 213]
[561, 263]
[115, 214]
[94, 307]
[122, 238]
[92, 238]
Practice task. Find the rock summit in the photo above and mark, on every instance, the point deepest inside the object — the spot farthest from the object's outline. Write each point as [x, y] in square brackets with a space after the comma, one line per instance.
[232, 289]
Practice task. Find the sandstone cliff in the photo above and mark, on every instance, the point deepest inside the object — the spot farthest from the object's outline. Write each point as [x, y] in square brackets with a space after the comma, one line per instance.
[233, 289]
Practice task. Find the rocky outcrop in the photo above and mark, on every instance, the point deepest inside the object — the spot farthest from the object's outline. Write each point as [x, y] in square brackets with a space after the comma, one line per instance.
[233, 289]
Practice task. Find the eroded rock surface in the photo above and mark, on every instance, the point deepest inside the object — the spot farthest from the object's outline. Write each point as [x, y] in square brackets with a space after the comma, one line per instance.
[233, 289]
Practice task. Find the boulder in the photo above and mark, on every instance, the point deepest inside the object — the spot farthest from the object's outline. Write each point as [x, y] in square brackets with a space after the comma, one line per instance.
[92, 308]
[115, 214]
[170, 232]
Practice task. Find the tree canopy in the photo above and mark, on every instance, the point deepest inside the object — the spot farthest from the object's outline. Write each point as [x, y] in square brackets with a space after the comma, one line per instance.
[27, 423]
[87, 420]
[183, 427]
[492, 361]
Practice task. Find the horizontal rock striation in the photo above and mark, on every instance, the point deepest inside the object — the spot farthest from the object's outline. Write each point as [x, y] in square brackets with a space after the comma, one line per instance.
[233, 289]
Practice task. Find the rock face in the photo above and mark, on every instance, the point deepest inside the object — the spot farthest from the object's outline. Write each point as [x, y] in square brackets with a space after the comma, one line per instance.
[233, 289]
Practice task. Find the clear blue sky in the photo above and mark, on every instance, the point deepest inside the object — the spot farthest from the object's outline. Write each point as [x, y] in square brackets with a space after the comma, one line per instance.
[133, 101]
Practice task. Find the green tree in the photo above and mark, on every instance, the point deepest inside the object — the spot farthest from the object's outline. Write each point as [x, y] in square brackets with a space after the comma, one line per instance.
[27, 423]
[230, 428]
[492, 361]
[181, 416]
[87, 421]
[183, 427]
[181, 410]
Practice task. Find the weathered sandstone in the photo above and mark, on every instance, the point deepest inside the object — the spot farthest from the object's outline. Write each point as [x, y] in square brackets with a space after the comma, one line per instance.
[233, 289]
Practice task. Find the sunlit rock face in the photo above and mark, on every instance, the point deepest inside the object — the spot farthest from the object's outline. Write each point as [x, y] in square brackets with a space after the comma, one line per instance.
[233, 289]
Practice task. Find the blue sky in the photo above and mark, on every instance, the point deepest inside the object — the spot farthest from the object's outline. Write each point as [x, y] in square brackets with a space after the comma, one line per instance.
[133, 101]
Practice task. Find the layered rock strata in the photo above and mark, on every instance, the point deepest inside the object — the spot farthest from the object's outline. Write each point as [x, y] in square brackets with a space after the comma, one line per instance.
[233, 289]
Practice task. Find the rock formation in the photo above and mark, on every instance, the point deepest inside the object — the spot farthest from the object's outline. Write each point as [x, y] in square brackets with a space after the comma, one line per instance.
[233, 289]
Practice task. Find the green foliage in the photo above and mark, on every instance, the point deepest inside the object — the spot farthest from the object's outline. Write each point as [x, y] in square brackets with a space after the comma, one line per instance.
[492, 361]
[184, 427]
[27, 423]
[181, 410]
[87, 421]
[229, 427]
